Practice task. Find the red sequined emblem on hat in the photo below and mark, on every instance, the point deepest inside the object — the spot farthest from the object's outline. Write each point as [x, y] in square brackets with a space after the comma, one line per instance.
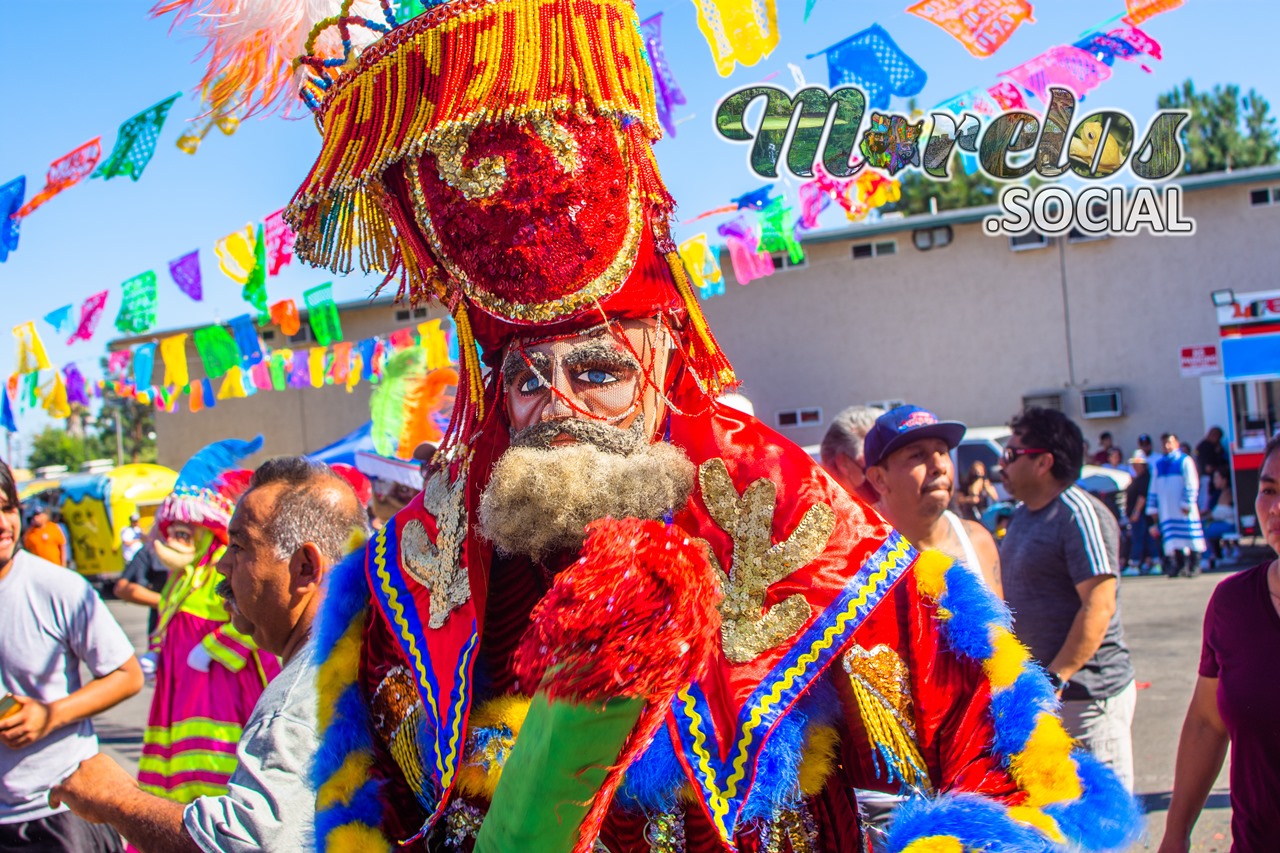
[918, 419]
[535, 220]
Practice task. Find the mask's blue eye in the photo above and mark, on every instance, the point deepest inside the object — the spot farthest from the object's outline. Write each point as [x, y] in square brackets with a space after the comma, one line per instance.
[597, 376]
[532, 384]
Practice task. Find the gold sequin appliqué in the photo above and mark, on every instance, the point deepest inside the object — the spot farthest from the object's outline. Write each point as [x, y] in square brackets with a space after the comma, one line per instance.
[396, 712]
[879, 678]
[793, 829]
[747, 629]
[485, 178]
[438, 566]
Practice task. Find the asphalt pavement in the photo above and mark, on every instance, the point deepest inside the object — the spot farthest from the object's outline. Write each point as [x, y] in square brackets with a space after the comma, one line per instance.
[1162, 619]
[120, 729]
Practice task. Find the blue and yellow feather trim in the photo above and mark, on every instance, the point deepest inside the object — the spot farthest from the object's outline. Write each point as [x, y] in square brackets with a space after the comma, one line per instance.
[1071, 801]
[348, 799]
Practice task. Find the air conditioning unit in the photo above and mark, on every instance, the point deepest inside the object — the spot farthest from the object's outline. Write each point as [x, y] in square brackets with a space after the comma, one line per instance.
[1101, 403]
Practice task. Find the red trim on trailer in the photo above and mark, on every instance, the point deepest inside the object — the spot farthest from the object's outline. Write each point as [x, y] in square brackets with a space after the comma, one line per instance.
[1246, 461]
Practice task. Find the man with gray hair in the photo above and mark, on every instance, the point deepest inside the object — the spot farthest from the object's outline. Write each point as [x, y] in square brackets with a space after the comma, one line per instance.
[842, 453]
[291, 526]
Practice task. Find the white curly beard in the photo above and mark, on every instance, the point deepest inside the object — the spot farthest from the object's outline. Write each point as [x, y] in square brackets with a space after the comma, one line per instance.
[539, 500]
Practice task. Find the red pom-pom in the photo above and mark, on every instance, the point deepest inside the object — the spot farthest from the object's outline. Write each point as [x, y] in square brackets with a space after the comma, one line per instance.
[359, 482]
[233, 484]
[635, 616]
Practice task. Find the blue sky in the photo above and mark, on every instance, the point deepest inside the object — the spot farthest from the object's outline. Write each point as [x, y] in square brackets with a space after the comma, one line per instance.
[78, 74]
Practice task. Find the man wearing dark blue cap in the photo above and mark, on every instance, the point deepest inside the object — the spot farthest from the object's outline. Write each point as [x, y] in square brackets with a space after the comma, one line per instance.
[908, 458]
[907, 453]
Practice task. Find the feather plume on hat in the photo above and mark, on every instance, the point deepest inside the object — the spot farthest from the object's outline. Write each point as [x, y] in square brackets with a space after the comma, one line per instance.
[251, 45]
[208, 487]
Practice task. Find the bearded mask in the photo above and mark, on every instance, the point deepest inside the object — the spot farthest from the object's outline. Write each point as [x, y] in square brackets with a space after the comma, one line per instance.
[583, 413]
[515, 181]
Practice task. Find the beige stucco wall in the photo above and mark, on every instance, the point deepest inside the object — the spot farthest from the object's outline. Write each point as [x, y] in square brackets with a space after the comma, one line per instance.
[970, 328]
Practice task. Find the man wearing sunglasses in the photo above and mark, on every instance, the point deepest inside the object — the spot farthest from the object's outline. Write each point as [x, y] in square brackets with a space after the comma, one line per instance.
[1061, 565]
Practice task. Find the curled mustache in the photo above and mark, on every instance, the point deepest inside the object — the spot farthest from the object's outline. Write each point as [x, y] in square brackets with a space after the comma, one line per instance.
[606, 437]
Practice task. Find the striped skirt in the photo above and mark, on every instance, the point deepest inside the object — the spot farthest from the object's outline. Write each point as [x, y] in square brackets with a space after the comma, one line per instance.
[196, 718]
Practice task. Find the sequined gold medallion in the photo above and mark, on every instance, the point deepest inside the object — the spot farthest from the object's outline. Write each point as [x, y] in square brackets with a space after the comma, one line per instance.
[396, 712]
[883, 691]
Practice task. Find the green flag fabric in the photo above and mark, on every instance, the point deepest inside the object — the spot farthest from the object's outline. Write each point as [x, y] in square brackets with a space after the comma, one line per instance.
[136, 143]
[137, 304]
[255, 289]
[218, 350]
[557, 765]
[778, 230]
[322, 313]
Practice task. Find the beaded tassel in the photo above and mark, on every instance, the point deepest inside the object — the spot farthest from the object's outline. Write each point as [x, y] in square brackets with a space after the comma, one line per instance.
[468, 405]
[708, 360]
[902, 757]
[457, 66]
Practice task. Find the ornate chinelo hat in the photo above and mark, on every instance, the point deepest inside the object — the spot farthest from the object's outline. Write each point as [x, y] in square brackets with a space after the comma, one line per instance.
[494, 154]
[208, 487]
[497, 155]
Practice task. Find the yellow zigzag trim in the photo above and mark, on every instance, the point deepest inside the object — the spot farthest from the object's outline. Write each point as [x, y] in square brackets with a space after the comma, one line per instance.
[455, 736]
[704, 760]
[720, 799]
[402, 624]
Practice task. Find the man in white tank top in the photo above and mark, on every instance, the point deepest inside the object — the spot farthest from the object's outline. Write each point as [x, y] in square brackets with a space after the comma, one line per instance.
[908, 458]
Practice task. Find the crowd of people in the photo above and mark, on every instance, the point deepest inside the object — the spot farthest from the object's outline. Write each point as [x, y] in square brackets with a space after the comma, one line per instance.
[1178, 510]
[1057, 565]
[231, 733]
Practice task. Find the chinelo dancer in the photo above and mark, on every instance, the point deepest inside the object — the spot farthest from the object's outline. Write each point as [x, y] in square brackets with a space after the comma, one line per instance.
[208, 675]
[621, 615]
